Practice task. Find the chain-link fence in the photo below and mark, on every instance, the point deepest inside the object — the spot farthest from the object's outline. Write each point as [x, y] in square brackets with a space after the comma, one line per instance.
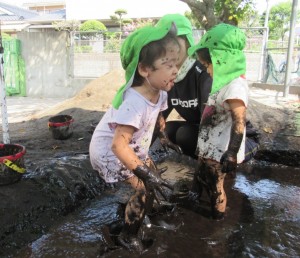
[254, 50]
[95, 54]
[276, 66]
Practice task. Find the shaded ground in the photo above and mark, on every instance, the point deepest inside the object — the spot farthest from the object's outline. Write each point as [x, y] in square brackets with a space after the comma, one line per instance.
[54, 186]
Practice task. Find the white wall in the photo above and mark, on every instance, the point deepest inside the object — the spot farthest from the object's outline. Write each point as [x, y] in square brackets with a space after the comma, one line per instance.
[48, 65]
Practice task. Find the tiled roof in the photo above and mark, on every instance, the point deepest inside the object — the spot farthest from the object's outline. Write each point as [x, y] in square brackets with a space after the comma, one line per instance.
[15, 13]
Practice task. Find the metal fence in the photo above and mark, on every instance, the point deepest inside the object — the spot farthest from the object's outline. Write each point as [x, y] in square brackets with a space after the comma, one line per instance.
[276, 66]
[96, 54]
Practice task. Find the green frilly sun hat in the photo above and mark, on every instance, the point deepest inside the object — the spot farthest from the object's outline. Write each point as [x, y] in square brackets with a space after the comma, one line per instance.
[183, 25]
[225, 43]
[130, 52]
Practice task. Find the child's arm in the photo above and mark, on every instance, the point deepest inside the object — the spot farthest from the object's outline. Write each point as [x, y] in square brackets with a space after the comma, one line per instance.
[162, 135]
[238, 114]
[120, 147]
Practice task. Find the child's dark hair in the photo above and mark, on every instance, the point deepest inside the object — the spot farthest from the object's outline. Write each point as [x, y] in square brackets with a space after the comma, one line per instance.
[151, 52]
[186, 40]
[203, 55]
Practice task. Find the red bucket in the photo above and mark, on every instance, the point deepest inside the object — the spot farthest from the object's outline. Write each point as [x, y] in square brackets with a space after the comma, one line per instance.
[11, 163]
[61, 126]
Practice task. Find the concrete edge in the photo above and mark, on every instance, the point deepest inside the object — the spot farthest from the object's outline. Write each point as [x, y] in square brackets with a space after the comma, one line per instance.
[295, 90]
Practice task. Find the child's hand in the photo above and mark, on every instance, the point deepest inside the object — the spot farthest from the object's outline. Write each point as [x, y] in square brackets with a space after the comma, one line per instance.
[152, 179]
[166, 143]
[228, 161]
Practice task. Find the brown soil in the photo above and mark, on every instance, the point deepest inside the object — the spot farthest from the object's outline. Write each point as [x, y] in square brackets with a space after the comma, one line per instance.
[33, 204]
[276, 124]
[86, 108]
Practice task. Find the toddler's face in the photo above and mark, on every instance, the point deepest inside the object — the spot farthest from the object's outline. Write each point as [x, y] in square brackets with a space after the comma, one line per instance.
[208, 66]
[165, 72]
[183, 51]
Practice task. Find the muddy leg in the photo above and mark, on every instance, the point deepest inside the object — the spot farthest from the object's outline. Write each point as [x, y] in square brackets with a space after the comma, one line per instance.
[214, 184]
[197, 185]
[137, 207]
[134, 216]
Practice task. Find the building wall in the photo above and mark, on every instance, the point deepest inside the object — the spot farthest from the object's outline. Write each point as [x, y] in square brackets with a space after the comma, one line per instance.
[49, 71]
[46, 9]
[54, 69]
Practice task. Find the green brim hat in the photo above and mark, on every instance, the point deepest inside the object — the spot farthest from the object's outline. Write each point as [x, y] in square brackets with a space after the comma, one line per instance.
[225, 44]
[130, 52]
[183, 25]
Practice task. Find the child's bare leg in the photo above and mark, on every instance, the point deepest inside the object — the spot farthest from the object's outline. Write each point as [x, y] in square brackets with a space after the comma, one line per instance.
[147, 198]
[213, 180]
[134, 215]
[221, 198]
[198, 183]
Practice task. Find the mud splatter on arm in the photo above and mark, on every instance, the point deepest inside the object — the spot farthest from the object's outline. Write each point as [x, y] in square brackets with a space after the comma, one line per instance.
[162, 134]
[120, 146]
[160, 124]
[238, 113]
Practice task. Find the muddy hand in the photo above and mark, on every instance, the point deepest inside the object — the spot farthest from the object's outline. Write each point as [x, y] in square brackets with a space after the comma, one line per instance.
[152, 180]
[158, 171]
[166, 143]
[161, 170]
[228, 162]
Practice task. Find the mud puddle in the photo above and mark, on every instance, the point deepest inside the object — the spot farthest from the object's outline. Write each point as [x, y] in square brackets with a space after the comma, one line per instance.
[262, 220]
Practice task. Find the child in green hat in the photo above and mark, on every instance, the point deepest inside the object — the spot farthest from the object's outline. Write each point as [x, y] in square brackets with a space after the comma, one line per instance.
[190, 92]
[221, 139]
[120, 143]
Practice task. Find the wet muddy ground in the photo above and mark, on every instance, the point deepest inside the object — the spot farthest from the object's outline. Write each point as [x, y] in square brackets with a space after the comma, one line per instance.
[61, 208]
[262, 219]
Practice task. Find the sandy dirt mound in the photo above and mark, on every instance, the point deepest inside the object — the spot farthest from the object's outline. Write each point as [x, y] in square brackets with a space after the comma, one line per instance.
[96, 95]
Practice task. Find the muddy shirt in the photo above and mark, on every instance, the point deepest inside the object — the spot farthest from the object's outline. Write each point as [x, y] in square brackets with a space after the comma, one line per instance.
[135, 111]
[216, 122]
[189, 95]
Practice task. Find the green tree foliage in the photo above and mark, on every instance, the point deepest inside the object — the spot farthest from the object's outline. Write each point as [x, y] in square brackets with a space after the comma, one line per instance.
[138, 23]
[211, 12]
[118, 18]
[92, 26]
[233, 11]
[72, 25]
[196, 24]
[251, 19]
[91, 29]
[279, 20]
[113, 42]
